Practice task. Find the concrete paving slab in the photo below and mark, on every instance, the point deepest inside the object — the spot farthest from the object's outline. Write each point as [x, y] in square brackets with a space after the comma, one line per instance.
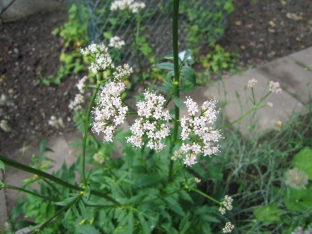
[265, 118]
[303, 56]
[292, 77]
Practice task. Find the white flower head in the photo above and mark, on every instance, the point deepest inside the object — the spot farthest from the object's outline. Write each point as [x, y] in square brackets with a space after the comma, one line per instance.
[274, 87]
[270, 104]
[127, 4]
[252, 82]
[116, 42]
[76, 104]
[228, 228]
[197, 127]
[296, 178]
[152, 122]
[110, 110]
[82, 84]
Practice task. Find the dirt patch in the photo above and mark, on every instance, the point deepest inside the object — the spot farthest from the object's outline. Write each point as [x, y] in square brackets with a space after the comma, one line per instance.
[259, 32]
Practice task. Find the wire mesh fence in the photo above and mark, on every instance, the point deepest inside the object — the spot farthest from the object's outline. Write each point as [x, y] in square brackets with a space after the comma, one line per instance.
[201, 22]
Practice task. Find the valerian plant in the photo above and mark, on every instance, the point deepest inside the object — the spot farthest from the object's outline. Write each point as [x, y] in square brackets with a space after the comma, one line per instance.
[154, 186]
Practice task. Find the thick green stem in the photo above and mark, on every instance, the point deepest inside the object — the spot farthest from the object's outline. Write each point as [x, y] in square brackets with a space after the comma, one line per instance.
[135, 39]
[205, 195]
[243, 116]
[83, 158]
[28, 191]
[34, 171]
[60, 211]
[175, 26]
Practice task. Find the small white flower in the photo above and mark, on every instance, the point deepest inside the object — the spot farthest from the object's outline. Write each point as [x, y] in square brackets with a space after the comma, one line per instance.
[127, 4]
[228, 228]
[197, 180]
[274, 87]
[252, 82]
[76, 104]
[270, 104]
[116, 42]
[82, 83]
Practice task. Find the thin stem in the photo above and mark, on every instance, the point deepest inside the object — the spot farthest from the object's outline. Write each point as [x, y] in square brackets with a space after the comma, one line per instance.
[205, 195]
[175, 27]
[137, 52]
[248, 112]
[28, 191]
[34, 171]
[253, 96]
[83, 158]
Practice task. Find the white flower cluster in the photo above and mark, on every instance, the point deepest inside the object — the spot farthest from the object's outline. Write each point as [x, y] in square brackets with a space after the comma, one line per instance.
[228, 228]
[76, 104]
[110, 110]
[116, 42]
[274, 87]
[226, 204]
[103, 59]
[127, 4]
[195, 129]
[56, 122]
[82, 84]
[126, 70]
[252, 82]
[152, 113]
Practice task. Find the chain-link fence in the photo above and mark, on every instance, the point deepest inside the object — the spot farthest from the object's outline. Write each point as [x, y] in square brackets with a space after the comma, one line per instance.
[201, 22]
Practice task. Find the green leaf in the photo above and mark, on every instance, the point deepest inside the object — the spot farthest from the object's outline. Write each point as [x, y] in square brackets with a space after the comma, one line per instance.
[167, 66]
[24, 224]
[178, 102]
[168, 56]
[66, 201]
[86, 228]
[184, 195]
[130, 222]
[185, 223]
[187, 88]
[229, 7]
[145, 180]
[187, 73]
[2, 166]
[144, 224]
[268, 214]
[237, 94]
[174, 205]
[303, 161]
[108, 35]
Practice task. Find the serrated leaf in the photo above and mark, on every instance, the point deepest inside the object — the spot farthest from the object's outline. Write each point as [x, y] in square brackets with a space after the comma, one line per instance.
[188, 73]
[144, 224]
[185, 223]
[65, 202]
[130, 222]
[210, 218]
[184, 195]
[178, 102]
[86, 228]
[187, 88]
[2, 166]
[174, 205]
[167, 66]
[145, 180]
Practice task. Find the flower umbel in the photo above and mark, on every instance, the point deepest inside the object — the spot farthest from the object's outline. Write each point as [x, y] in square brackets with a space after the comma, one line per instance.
[252, 82]
[228, 228]
[76, 104]
[110, 110]
[82, 84]
[116, 42]
[151, 124]
[226, 204]
[274, 87]
[196, 131]
[296, 178]
[127, 4]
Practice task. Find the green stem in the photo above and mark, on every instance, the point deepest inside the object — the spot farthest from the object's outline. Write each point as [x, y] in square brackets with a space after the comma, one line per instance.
[205, 195]
[58, 212]
[34, 171]
[175, 26]
[128, 106]
[243, 116]
[28, 191]
[137, 52]
[52, 186]
[83, 158]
